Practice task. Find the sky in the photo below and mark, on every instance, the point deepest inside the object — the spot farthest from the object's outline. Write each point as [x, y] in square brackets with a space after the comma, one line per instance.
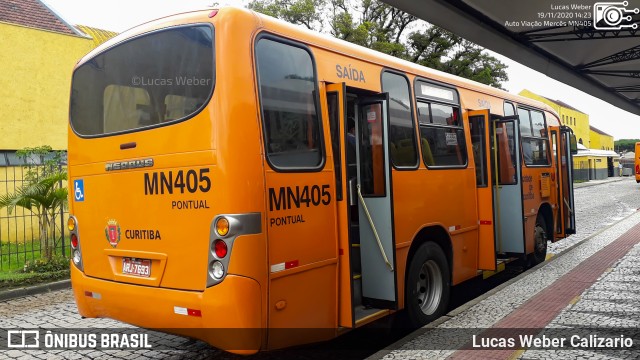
[120, 15]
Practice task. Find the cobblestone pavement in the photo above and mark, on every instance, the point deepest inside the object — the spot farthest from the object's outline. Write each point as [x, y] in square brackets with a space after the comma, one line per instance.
[614, 202]
[599, 206]
[613, 301]
[497, 306]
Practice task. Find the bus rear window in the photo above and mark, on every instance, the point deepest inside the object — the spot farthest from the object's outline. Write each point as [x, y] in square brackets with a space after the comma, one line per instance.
[151, 80]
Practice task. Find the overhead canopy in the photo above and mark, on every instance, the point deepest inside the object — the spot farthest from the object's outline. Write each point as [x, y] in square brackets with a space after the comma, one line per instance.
[555, 38]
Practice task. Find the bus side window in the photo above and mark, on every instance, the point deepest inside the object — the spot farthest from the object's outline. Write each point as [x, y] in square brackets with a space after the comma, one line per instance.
[402, 140]
[441, 133]
[288, 94]
[534, 136]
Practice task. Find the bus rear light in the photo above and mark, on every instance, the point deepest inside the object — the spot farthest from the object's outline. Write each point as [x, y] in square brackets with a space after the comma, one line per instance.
[77, 258]
[216, 269]
[222, 226]
[71, 224]
[220, 248]
[74, 242]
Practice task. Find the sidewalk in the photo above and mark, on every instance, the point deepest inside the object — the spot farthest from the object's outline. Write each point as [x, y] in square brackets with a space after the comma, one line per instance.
[593, 286]
[600, 182]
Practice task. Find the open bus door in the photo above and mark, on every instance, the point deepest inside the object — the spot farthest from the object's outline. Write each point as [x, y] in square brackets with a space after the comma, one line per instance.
[367, 277]
[480, 129]
[637, 162]
[375, 210]
[507, 185]
[568, 146]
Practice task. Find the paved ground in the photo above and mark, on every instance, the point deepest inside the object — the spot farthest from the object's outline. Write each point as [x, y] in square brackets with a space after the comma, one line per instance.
[611, 299]
[554, 295]
[599, 204]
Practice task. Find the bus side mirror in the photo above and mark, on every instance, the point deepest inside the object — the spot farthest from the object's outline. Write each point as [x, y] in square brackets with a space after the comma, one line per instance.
[573, 144]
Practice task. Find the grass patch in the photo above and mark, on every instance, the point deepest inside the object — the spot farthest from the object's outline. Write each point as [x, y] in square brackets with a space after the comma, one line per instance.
[10, 280]
[13, 256]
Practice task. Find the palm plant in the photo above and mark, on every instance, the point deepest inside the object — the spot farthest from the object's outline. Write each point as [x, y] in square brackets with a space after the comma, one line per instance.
[44, 196]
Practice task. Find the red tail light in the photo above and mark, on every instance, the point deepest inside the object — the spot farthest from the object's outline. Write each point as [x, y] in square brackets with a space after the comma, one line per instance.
[220, 248]
[74, 241]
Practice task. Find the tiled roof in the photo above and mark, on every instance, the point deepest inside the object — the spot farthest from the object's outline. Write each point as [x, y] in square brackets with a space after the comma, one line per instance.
[98, 35]
[34, 14]
[599, 131]
[564, 104]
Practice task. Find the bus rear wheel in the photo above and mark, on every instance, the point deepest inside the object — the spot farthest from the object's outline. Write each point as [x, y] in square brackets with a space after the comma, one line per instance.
[427, 289]
[539, 242]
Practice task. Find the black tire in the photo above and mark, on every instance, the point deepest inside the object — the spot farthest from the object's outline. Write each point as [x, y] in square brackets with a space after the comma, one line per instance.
[425, 303]
[539, 254]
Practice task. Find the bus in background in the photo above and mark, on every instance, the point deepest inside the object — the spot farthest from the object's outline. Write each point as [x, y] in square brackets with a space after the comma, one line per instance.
[238, 179]
[637, 162]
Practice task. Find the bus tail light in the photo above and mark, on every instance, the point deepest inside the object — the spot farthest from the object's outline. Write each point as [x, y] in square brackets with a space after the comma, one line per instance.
[225, 229]
[216, 270]
[220, 248]
[76, 255]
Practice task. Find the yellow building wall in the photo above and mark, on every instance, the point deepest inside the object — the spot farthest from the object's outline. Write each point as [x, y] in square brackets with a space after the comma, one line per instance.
[600, 141]
[36, 68]
[576, 120]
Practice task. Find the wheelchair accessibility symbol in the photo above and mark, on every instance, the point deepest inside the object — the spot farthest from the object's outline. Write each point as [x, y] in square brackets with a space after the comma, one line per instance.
[78, 190]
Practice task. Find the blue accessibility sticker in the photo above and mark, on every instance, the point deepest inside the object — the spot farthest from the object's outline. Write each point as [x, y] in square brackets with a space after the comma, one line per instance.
[78, 190]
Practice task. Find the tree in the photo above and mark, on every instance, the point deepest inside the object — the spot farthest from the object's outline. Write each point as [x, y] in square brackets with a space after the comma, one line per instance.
[623, 145]
[42, 194]
[381, 27]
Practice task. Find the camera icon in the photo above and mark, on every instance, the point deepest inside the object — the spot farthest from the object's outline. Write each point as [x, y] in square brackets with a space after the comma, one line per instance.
[611, 15]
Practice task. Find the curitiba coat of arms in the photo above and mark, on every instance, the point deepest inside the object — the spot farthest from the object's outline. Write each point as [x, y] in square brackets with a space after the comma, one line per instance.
[112, 232]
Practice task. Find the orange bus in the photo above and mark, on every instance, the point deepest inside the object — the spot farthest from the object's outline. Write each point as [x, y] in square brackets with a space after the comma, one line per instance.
[233, 172]
[637, 162]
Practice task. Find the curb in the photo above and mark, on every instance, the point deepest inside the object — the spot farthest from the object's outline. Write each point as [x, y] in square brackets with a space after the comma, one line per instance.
[34, 290]
[588, 184]
[466, 306]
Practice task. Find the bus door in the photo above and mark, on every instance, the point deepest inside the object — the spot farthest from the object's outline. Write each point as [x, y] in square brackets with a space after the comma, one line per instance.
[337, 108]
[373, 193]
[567, 145]
[479, 127]
[507, 196]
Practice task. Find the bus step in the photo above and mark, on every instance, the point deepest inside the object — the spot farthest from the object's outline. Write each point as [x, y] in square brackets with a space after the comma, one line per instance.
[499, 267]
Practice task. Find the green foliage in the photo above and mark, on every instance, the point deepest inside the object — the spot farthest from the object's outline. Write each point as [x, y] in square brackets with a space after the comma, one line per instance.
[625, 145]
[56, 263]
[19, 279]
[43, 192]
[381, 27]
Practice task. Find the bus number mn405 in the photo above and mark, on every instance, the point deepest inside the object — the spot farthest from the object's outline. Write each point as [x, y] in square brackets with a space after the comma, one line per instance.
[285, 197]
[167, 181]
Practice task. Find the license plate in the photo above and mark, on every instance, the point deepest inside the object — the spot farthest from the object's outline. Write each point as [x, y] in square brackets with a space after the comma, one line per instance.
[136, 267]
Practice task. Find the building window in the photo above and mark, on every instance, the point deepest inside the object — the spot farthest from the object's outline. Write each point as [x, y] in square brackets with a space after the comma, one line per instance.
[287, 81]
[402, 139]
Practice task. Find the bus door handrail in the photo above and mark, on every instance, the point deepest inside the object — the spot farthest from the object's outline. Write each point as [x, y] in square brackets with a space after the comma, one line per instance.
[373, 227]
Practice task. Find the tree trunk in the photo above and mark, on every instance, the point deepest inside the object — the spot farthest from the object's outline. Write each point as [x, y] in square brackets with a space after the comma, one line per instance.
[44, 235]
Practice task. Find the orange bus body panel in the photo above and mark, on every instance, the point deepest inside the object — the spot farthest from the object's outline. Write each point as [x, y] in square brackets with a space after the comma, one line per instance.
[637, 162]
[295, 273]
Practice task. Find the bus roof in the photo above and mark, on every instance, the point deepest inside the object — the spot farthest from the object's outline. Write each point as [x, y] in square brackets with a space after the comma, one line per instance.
[322, 41]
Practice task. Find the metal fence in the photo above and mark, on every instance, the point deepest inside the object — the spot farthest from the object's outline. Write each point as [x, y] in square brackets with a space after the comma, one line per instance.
[19, 230]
